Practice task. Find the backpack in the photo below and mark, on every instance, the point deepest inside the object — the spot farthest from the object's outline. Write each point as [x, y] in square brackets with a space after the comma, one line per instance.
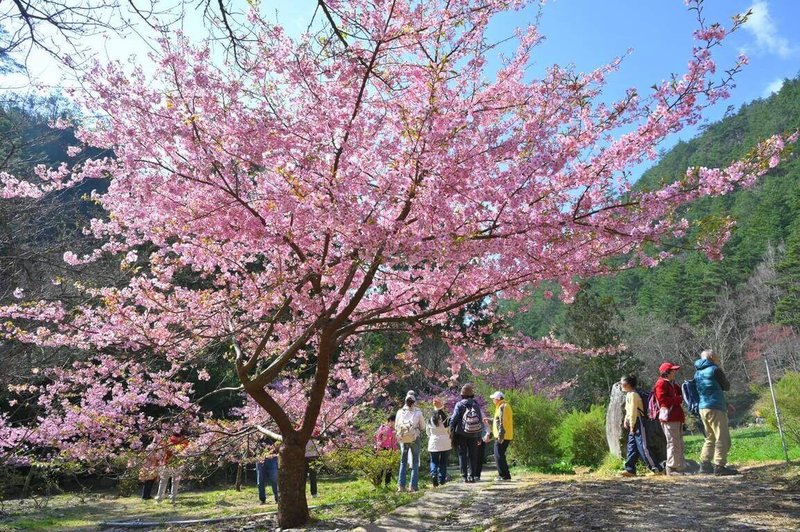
[691, 397]
[471, 420]
[407, 430]
[651, 404]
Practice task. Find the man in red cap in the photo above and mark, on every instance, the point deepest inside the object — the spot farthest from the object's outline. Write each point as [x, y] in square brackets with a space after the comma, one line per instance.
[668, 395]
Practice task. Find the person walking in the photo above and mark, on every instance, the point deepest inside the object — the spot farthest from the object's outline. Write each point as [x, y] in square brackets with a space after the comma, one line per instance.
[711, 385]
[439, 444]
[466, 425]
[312, 456]
[267, 468]
[637, 434]
[170, 466]
[409, 425]
[386, 440]
[503, 433]
[148, 472]
[671, 416]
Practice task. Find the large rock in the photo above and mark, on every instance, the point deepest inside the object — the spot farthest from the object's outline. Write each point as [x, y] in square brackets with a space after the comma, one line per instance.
[615, 415]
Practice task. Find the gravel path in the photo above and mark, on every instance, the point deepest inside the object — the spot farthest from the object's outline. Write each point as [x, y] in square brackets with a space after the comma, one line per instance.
[751, 501]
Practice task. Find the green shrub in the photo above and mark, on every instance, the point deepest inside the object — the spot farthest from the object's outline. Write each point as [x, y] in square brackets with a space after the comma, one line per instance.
[582, 437]
[787, 393]
[366, 464]
[535, 419]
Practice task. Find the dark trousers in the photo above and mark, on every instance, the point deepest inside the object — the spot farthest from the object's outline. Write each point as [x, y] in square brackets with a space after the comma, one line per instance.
[637, 449]
[439, 465]
[267, 471]
[147, 488]
[500, 458]
[311, 473]
[481, 458]
[467, 455]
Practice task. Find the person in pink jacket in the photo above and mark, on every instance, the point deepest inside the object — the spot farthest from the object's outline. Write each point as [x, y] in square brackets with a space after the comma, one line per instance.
[386, 440]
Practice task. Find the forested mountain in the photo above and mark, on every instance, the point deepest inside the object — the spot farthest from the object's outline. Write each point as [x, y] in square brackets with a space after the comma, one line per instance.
[683, 289]
[739, 306]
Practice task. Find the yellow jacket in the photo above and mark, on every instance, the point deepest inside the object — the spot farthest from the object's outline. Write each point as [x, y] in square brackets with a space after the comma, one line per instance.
[633, 408]
[503, 425]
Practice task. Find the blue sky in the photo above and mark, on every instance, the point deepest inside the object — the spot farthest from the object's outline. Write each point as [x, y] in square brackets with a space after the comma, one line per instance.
[588, 34]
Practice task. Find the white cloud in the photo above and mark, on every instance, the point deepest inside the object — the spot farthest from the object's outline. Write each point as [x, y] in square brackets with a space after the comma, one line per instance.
[774, 86]
[763, 28]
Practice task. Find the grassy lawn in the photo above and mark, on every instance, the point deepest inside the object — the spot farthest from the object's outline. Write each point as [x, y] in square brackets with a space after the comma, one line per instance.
[70, 512]
[748, 445]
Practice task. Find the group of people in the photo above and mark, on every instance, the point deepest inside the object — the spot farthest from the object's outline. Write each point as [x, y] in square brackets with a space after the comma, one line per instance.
[711, 384]
[466, 430]
[267, 467]
[162, 464]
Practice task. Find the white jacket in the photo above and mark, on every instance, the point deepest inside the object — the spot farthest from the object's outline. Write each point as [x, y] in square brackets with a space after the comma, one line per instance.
[413, 416]
[438, 437]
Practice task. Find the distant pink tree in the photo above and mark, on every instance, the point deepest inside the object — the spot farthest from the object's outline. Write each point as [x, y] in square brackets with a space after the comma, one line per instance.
[375, 176]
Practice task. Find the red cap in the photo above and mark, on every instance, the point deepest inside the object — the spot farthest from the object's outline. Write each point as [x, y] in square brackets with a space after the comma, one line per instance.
[667, 366]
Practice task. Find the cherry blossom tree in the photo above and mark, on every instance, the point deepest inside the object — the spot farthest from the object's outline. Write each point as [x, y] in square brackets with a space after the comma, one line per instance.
[376, 176]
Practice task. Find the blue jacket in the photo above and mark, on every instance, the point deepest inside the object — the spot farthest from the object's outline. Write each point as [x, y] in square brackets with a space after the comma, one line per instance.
[457, 419]
[711, 385]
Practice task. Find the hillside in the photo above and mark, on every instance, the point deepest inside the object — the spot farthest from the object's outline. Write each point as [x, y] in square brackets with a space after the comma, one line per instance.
[689, 302]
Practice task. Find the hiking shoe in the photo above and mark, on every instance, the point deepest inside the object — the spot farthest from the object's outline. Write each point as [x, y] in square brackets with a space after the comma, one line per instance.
[675, 472]
[654, 473]
[401, 489]
[724, 471]
[470, 479]
[435, 481]
[627, 473]
[706, 468]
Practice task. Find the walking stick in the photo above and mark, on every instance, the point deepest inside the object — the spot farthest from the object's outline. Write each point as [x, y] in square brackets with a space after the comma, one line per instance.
[777, 411]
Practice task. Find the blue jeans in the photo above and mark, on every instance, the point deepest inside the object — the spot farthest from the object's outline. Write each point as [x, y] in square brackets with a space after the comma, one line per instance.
[637, 450]
[405, 448]
[439, 465]
[267, 471]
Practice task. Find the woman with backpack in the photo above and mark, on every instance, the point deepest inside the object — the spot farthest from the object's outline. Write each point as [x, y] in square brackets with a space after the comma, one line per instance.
[671, 416]
[466, 425]
[438, 443]
[409, 426]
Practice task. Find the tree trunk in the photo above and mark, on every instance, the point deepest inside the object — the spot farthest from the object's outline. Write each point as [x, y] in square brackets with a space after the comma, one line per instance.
[26, 488]
[238, 484]
[292, 506]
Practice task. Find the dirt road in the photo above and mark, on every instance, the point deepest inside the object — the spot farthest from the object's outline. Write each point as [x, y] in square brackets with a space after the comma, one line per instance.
[765, 498]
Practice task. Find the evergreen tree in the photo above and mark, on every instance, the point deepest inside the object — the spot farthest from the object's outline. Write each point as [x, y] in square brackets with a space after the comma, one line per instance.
[787, 311]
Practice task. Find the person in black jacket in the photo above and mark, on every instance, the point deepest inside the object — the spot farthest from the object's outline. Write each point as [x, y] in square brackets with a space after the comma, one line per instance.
[466, 425]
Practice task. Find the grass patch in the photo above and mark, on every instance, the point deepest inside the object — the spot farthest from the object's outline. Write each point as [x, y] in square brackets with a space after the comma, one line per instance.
[357, 498]
[748, 445]
[348, 498]
[610, 466]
